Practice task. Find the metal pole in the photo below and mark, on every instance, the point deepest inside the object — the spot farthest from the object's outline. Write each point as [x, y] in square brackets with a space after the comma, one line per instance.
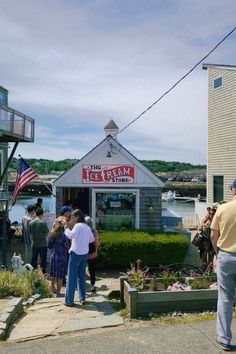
[8, 162]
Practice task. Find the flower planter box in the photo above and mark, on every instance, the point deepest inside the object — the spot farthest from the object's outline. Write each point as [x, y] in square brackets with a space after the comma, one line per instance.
[142, 303]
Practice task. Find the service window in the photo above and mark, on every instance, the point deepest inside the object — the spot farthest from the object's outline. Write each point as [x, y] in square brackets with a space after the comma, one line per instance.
[116, 210]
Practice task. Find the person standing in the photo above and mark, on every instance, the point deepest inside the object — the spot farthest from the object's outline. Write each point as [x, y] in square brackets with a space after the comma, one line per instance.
[206, 250]
[80, 235]
[65, 213]
[38, 232]
[223, 232]
[29, 216]
[39, 203]
[58, 243]
[91, 258]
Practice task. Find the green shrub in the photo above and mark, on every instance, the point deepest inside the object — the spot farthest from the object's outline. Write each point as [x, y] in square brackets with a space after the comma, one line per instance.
[119, 249]
[199, 283]
[23, 285]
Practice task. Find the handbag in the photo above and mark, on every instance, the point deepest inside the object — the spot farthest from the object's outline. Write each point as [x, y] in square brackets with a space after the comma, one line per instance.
[92, 247]
[197, 240]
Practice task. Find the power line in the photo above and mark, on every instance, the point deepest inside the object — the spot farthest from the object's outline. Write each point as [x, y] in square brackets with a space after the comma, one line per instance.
[182, 78]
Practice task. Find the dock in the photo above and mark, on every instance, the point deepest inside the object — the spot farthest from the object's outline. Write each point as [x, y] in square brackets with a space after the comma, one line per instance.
[186, 199]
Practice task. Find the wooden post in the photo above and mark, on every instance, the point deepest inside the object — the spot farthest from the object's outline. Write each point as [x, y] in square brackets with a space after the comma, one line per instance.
[122, 279]
[133, 293]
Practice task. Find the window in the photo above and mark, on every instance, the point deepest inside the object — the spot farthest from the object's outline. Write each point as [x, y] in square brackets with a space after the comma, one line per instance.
[218, 82]
[3, 96]
[115, 209]
[218, 188]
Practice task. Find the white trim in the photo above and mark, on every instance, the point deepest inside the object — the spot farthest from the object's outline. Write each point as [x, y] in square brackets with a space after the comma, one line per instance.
[125, 157]
[115, 190]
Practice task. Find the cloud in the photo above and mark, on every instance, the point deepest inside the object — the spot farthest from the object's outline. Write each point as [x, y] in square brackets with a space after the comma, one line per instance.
[72, 65]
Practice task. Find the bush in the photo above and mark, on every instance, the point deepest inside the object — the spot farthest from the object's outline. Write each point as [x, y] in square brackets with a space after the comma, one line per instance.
[23, 285]
[120, 249]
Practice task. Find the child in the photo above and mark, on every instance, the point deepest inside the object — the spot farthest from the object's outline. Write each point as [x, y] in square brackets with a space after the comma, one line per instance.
[58, 243]
[91, 258]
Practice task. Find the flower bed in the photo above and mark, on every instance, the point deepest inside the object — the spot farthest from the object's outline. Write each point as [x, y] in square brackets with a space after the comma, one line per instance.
[167, 290]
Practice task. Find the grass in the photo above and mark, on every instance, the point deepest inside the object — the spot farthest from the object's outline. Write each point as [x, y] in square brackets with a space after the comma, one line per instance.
[185, 318]
[119, 307]
[169, 318]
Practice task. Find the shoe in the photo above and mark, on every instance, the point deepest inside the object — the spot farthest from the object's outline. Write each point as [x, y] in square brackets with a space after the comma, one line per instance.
[227, 347]
[82, 302]
[69, 305]
[93, 289]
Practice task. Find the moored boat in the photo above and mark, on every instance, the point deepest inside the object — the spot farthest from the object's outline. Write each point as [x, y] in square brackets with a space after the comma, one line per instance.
[169, 196]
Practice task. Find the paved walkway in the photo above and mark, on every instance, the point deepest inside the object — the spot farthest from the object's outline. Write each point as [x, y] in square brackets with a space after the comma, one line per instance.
[50, 317]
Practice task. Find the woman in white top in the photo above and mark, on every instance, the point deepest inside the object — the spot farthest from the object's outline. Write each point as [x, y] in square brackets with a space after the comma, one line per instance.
[80, 235]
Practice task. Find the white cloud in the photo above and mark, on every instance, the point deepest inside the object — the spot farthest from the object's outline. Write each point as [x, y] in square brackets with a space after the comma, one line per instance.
[73, 65]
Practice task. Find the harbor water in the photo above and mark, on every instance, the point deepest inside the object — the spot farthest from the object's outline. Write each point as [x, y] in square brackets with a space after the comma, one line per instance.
[186, 209]
[18, 210]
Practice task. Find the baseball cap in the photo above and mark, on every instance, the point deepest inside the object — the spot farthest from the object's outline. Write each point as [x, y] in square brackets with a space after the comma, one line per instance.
[65, 208]
[233, 184]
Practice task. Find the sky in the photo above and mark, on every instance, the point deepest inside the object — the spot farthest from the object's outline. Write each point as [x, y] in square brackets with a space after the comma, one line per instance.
[73, 65]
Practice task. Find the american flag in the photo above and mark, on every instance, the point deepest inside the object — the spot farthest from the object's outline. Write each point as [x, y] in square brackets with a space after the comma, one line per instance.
[25, 174]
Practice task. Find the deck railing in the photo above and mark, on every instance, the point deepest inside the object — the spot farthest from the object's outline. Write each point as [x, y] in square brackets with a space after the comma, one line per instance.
[15, 126]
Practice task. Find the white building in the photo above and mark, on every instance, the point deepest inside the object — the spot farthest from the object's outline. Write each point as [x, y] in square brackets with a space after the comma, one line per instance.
[221, 165]
[112, 186]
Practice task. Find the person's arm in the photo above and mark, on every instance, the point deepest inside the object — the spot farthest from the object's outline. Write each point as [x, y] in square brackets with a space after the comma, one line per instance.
[92, 238]
[96, 238]
[71, 233]
[215, 234]
[30, 235]
[46, 228]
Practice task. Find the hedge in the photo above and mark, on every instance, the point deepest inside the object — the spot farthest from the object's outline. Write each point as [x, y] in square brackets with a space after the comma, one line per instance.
[119, 249]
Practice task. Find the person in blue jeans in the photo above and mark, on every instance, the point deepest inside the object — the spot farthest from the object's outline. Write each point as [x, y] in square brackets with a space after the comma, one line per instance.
[80, 235]
[223, 233]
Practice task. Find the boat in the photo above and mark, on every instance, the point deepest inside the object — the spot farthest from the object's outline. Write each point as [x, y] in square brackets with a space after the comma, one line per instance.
[201, 198]
[169, 196]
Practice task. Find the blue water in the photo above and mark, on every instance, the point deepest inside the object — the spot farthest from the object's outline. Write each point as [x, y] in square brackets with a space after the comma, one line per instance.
[186, 209]
[183, 208]
[18, 210]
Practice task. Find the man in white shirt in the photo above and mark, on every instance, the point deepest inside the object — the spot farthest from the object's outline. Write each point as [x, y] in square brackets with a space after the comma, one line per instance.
[80, 235]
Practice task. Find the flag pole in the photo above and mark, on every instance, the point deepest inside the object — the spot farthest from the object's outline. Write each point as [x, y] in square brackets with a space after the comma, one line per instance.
[41, 181]
[46, 186]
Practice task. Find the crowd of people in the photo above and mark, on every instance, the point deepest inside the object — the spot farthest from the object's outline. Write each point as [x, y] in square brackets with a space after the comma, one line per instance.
[72, 243]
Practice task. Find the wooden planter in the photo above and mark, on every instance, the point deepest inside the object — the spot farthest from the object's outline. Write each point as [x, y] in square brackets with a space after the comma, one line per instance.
[142, 303]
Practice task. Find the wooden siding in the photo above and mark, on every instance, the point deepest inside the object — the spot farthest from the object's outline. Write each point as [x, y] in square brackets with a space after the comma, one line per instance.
[150, 218]
[58, 200]
[221, 130]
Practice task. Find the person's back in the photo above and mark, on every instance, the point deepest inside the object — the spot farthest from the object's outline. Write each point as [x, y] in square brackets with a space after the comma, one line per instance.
[29, 216]
[226, 219]
[38, 233]
[223, 239]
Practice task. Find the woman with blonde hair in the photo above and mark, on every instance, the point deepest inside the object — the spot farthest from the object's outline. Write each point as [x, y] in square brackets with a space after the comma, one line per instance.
[58, 243]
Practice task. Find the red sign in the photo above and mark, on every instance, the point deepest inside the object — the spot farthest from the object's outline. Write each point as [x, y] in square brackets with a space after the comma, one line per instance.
[113, 174]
